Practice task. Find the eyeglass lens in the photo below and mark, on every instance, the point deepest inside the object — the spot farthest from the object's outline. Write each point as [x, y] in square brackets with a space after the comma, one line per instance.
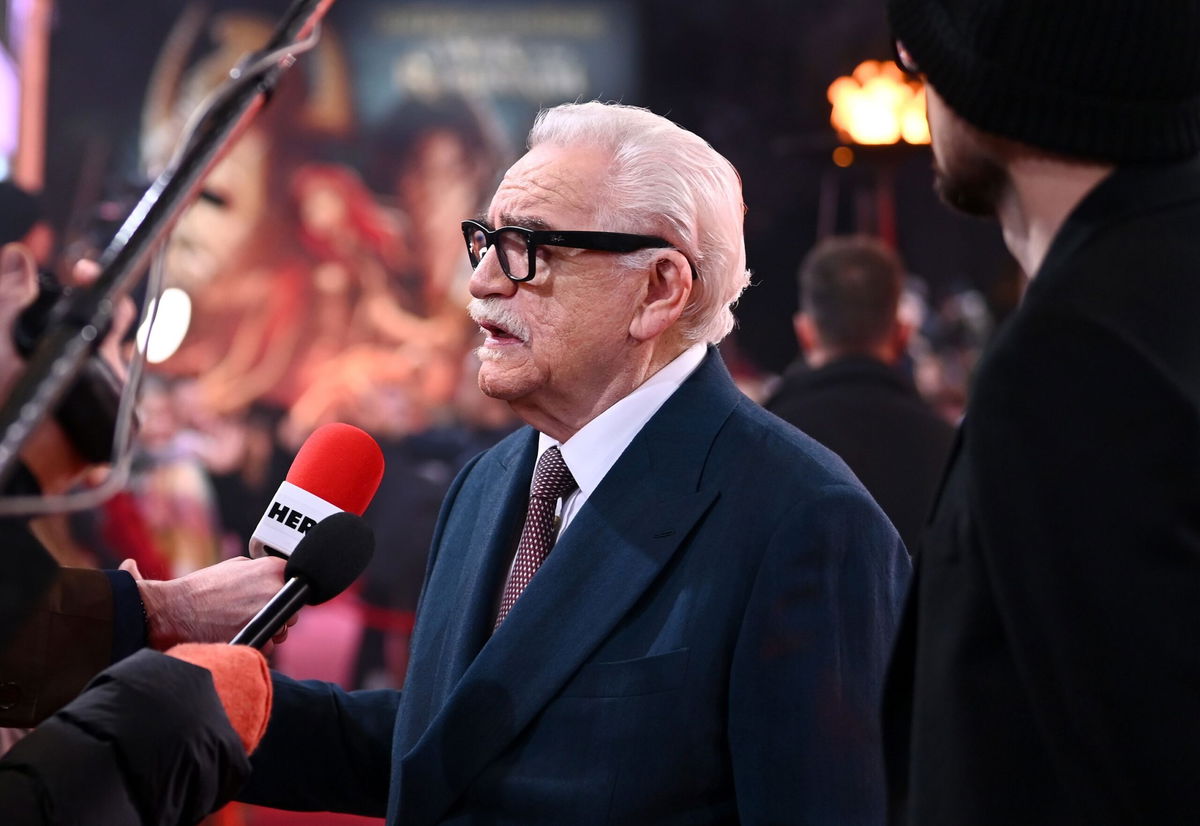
[511, 246]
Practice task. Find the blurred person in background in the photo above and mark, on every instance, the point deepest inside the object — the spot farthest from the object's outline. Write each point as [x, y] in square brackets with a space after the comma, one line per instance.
[241, 252]
[433, 160]
[170, 485]
[953, 337]
[847, 390]
[23, 220]
[1047, 669]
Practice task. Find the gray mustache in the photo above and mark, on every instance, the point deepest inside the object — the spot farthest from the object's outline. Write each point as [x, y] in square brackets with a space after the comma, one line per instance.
[495, 312]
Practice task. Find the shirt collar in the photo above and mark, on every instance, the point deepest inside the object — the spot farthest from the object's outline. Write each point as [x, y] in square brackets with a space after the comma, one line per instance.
[595, 447]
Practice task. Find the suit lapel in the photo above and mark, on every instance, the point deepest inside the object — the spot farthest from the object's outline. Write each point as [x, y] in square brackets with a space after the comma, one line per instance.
[459, 601]
[611, 553]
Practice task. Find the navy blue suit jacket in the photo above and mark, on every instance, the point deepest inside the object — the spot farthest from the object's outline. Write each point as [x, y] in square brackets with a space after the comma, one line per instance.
[705, 644]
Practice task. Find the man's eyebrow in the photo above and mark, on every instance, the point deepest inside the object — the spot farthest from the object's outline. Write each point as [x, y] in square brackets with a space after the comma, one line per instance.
[507, 219]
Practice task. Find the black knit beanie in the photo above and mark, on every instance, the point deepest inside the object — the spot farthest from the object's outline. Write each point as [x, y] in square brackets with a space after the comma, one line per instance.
[1112, 80]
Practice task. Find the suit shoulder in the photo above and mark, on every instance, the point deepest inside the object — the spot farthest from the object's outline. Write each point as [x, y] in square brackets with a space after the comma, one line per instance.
[801, 492]
[766, 446]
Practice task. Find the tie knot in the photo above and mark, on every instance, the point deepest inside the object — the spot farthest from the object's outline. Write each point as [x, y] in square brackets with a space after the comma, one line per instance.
[552, 478]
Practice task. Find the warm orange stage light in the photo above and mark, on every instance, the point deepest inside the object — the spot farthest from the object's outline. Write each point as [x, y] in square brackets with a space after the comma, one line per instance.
[878, 104]
[843, 156]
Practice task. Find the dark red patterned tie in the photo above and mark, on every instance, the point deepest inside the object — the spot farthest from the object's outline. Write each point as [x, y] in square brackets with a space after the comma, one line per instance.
[552, 480]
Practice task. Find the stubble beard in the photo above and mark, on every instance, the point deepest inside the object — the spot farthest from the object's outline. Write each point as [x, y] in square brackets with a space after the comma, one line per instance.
[975, 186]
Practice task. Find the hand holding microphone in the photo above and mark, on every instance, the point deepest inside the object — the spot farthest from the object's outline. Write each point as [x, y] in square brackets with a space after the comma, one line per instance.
[337, 469]
[208, 605]
[330, 556]
[207, 705]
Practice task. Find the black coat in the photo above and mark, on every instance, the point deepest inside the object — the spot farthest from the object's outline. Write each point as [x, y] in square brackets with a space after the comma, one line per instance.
[871, 416]
[58, 626]
[147, 742]
[1048, 667]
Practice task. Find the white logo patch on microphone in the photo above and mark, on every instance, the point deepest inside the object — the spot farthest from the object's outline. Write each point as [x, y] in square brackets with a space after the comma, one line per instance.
[292, 511]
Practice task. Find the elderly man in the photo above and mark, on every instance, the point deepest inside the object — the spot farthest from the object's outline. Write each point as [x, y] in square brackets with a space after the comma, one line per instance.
[1048, 669]
[705, 642]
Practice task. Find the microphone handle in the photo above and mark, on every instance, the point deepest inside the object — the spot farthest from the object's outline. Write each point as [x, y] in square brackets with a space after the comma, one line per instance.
[267, 622]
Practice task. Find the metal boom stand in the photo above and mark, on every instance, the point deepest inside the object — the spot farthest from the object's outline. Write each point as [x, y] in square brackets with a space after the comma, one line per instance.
[82, 320]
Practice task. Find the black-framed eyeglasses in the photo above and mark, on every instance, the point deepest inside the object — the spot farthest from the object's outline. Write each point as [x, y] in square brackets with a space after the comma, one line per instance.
[905, 61]
[516, 247]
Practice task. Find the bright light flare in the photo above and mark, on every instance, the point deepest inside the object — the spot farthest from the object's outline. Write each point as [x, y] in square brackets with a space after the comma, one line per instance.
[878, 105]
[170, 326]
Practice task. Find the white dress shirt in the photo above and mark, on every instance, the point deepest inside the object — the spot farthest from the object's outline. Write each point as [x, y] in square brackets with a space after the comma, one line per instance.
[595, 448]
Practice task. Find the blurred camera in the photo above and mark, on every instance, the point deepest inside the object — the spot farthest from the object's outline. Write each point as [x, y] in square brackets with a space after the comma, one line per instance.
[88, 412]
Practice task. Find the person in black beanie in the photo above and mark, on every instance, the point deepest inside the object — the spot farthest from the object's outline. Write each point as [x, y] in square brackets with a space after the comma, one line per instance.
[1047, 668]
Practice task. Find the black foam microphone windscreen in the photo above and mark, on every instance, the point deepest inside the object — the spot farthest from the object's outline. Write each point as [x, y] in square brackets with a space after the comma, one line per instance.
[331, 555]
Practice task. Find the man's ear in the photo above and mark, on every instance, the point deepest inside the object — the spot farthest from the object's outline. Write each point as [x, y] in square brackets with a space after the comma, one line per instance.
[18, 281]
[668, 288]
[806, 333]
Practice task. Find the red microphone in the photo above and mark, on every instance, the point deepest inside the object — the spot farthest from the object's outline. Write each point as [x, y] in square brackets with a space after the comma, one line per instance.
[338, 468]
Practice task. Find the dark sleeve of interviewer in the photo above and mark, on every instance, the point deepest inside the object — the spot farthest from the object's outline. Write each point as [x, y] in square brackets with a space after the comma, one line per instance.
[83, 621]
[147, 742]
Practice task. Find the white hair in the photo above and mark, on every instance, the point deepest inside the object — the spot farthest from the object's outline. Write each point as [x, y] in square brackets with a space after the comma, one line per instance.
[665, 181]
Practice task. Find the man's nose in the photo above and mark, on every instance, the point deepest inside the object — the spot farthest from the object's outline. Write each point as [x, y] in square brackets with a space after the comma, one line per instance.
[489, 279]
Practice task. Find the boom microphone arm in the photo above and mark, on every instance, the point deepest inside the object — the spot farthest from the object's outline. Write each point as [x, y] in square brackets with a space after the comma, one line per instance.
[82, 322]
